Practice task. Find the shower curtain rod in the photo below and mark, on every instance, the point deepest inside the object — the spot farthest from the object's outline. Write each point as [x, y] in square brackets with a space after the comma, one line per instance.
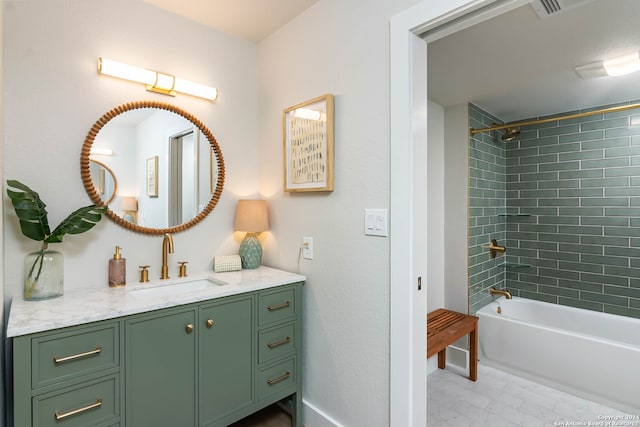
[553, 119]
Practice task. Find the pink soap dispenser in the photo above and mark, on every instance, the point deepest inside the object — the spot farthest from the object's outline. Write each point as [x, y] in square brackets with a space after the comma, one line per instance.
[117, 270]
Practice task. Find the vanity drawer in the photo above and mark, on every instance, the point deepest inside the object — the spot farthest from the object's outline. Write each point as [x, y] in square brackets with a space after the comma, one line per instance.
[276, 306]
[88, 404]
[276, 342]
[277, 378]
[73, 353]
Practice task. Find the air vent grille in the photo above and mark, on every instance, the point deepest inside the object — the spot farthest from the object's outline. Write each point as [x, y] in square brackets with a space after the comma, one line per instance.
[550, 6]
[546, 8]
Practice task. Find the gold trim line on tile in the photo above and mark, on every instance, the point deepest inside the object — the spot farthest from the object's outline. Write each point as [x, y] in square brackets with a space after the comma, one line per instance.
[473, 131]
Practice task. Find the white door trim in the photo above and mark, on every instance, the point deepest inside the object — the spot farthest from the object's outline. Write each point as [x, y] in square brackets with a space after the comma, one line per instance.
[408, 307]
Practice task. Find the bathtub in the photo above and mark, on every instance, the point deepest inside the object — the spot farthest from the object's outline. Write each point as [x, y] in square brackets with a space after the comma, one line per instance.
[586, 353]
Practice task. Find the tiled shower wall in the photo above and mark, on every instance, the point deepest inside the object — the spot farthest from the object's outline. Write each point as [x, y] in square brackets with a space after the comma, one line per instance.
[487, 197]
[573, 205]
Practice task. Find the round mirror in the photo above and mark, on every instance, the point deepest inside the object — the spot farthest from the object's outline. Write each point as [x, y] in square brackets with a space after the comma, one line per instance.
[104, 181]
[169, 167]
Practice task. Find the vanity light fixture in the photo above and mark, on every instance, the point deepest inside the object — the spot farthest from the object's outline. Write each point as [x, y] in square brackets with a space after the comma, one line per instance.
[101, 151]
[156, 81]
[306, 113]
[617, 66]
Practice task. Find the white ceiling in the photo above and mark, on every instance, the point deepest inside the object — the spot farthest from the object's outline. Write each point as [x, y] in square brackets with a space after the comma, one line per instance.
[252, 20]
[518, 66]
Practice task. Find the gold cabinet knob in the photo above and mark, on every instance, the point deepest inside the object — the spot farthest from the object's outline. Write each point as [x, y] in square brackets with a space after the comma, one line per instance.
[189, 328]
[210, 323]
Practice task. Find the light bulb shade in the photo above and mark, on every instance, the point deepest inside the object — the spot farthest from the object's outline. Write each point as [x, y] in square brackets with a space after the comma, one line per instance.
[621, 65]
[128, 204]
[251, 216]
[156, 81]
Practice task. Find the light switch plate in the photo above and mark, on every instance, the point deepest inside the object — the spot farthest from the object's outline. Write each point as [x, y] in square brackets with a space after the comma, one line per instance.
[376, 222]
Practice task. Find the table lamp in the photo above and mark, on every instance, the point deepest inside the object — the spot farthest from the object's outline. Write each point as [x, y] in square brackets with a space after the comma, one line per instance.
[251, 217]
[129, 207]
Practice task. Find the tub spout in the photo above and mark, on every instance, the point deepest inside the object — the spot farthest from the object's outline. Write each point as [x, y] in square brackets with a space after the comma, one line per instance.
[504, 293]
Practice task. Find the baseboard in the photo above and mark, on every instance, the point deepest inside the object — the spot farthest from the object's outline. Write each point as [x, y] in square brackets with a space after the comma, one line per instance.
[314, 417]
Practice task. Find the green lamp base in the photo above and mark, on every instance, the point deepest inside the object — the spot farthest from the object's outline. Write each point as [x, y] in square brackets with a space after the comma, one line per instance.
[250, 251]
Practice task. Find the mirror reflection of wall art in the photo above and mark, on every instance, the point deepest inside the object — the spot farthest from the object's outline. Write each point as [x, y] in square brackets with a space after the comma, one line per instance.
[308, 145]
[152, 176]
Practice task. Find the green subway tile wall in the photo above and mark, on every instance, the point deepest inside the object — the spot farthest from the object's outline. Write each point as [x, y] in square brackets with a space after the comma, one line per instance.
[578, 181]
[487, 201]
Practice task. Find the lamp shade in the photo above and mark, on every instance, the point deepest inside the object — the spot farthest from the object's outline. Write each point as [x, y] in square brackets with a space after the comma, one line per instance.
[251, 216]
[128, 204]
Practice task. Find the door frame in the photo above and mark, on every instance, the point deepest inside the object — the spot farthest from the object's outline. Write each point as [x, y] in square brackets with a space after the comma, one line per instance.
[408, 124]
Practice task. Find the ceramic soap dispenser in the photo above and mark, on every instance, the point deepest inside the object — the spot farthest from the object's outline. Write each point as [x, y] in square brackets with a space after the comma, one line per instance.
[117, 270]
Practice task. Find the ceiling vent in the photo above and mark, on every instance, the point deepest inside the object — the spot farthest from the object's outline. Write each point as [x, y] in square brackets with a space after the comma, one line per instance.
[546, 8]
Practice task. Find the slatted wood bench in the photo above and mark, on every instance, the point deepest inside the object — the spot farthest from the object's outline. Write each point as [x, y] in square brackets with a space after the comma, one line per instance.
[444, 327]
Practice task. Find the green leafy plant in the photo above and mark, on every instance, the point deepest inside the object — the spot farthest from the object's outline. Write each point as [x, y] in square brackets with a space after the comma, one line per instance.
[32, 213]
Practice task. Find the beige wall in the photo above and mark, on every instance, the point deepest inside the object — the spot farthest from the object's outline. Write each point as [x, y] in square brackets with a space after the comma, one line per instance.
[53, 95]
[2, 342]
[339, 47]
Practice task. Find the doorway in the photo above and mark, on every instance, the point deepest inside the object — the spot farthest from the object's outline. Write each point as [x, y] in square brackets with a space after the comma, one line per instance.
[409, 240]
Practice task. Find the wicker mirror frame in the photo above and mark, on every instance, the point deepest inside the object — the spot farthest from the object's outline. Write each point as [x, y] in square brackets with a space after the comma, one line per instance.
[95, 196]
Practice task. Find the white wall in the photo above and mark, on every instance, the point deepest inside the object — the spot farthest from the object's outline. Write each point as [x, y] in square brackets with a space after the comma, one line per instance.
[456, 207]
[436, 190]
[436, 183]
[2, 341]
[53, 94]
[339, 47]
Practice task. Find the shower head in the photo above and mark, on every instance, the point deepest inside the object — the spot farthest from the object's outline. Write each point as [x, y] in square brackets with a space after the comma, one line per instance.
[510, 134]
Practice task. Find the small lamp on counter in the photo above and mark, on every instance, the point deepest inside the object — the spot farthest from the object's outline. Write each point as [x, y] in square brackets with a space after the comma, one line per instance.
[129, 207]
[252, 218]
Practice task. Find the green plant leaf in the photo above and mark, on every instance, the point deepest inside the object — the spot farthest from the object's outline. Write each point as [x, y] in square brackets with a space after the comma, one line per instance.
[77, 222]
[30, 211]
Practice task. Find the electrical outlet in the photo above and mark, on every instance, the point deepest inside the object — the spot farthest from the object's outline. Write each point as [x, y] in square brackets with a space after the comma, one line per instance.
[307, 247]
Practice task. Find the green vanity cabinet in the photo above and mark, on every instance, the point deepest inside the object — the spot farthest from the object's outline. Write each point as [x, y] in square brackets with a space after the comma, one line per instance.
[202, 364]
[160, 355]
[68, 377]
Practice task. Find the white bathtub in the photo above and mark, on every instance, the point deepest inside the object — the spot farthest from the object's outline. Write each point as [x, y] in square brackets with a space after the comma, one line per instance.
[586, 353]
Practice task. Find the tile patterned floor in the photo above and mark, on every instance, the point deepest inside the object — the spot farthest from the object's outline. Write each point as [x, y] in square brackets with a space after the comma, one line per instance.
[271, 416]
[499, 399]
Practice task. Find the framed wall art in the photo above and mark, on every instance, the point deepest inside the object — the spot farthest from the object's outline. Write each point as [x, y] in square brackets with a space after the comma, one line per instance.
[152, 176]
[308, 145]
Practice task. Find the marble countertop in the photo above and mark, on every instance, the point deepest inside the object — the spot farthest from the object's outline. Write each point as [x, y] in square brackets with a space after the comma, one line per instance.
[84, 306]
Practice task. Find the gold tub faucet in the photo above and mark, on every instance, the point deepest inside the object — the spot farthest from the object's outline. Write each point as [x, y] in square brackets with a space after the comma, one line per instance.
[504, 293]
[167, 247]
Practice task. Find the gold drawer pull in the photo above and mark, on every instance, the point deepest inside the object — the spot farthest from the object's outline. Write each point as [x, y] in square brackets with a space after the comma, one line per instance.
[279, 343]
[280, 378]
[279, 306]
[60, 416]
[95, 352]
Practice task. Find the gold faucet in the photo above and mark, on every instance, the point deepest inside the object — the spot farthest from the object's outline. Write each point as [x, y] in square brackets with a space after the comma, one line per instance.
[505, 293]
[167, 247]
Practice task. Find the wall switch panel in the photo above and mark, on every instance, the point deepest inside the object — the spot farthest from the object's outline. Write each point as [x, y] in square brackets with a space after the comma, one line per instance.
[376, 222]
[307, 247]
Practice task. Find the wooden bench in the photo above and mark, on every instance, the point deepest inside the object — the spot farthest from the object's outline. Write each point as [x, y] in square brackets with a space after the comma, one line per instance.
[444, 327]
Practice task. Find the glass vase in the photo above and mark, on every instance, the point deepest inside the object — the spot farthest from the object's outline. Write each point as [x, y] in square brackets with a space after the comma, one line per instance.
[43, 274]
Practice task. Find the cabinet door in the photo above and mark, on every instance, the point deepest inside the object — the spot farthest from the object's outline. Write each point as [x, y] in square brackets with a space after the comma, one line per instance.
[226, 357]
[161, 370]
